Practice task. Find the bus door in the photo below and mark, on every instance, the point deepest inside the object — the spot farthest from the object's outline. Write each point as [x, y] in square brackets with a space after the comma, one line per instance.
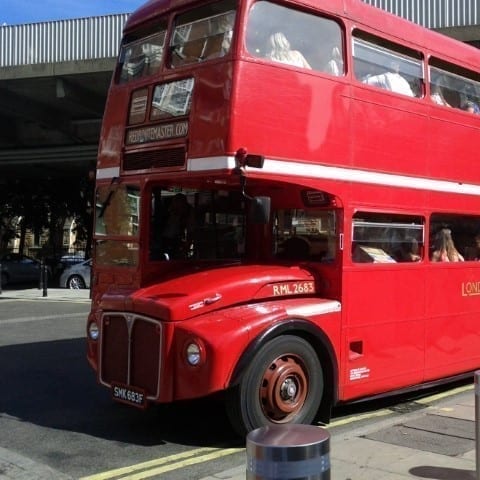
[383, 304]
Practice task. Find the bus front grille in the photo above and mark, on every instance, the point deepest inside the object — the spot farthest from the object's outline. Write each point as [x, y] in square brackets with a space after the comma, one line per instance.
[131, 352]
[155, 159]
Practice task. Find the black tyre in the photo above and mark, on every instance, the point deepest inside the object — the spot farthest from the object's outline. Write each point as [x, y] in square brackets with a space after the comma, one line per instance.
[283, 384]
[75, 282]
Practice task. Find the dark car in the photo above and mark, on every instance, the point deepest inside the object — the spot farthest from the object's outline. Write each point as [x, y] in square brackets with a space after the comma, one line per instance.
[17, 268]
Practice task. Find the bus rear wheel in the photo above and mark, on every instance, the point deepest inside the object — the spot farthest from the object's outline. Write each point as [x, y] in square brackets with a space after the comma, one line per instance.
[283, 384]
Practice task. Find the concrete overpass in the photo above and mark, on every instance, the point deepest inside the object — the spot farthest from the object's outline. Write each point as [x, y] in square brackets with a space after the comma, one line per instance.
[54, 78]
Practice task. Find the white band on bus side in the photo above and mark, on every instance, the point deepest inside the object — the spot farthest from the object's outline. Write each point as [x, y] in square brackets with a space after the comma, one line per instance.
[279, 167]
[211, 163]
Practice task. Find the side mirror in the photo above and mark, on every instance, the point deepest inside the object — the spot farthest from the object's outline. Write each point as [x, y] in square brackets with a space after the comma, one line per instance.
[260, 210]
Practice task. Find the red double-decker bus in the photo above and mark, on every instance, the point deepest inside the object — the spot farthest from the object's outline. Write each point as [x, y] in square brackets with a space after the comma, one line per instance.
[287, 208]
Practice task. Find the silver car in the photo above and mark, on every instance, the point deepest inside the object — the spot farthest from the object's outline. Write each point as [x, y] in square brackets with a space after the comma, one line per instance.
[77, 276]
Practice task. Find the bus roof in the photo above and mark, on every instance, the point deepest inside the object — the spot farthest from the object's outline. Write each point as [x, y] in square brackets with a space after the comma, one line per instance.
[357, 12]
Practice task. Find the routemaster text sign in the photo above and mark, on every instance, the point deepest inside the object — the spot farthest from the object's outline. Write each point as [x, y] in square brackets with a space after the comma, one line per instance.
[156, 132]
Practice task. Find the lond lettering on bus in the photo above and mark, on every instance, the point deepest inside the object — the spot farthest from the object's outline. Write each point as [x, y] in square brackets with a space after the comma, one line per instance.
[470, 289]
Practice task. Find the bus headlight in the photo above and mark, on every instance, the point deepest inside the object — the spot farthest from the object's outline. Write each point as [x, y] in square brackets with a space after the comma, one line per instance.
[193, 354]
[93, 331]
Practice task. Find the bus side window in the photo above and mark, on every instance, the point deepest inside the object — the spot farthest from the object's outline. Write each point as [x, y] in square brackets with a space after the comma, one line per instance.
[452, 86]
[288, 36]
[464, 233]
[305, 234]
[387, 238]
[387, 66]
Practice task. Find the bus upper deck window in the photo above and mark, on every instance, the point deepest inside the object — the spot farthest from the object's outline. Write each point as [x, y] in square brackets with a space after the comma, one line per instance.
[295, 38]
[387, 66]
[203, 34]
[141, 57]
[453, 86]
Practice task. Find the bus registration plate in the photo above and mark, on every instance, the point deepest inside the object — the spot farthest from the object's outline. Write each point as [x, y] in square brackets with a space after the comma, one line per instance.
[129, 395]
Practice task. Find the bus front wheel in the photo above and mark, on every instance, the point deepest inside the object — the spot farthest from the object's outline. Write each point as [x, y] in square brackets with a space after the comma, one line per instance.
[283, 384]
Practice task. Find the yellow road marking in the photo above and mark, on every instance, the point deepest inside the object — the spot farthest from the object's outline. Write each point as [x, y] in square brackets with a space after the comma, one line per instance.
[185, 463]
[449, 393]
[356, 418]
[174, 462]
[384, 412]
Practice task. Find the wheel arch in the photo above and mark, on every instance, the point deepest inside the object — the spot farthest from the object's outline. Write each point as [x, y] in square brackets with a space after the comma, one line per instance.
[320, 343]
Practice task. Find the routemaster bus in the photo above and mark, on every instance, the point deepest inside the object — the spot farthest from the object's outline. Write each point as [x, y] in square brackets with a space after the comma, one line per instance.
[287, 209]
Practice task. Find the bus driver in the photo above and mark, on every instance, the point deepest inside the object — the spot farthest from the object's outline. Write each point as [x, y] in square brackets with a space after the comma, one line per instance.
[178, 229]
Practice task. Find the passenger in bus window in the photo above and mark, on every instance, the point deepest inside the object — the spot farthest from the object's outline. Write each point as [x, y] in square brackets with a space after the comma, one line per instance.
[396, 82]
[280, 51]
[409, 251]
[444, 248]
[335, 64]
[437, 95]
[391, 80]
[477, 247]
[470, 99]
[471, 107]
[472, 252]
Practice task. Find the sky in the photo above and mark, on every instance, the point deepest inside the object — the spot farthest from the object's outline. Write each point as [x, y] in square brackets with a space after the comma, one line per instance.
[14, 12]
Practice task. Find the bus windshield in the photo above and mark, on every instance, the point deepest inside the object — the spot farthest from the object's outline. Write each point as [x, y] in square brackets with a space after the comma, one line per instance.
[196, 224]
[117, 210]
[117, 215]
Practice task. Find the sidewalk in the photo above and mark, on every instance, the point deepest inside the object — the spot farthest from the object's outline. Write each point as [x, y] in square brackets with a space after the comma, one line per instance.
[57, 294]
[435, 442]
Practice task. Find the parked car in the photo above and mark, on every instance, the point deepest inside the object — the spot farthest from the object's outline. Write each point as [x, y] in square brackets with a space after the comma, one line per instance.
[59, 264]
[77, 276]
[18, 268]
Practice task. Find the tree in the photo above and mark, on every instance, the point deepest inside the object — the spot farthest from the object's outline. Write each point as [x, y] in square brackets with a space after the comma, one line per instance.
[46, 205]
